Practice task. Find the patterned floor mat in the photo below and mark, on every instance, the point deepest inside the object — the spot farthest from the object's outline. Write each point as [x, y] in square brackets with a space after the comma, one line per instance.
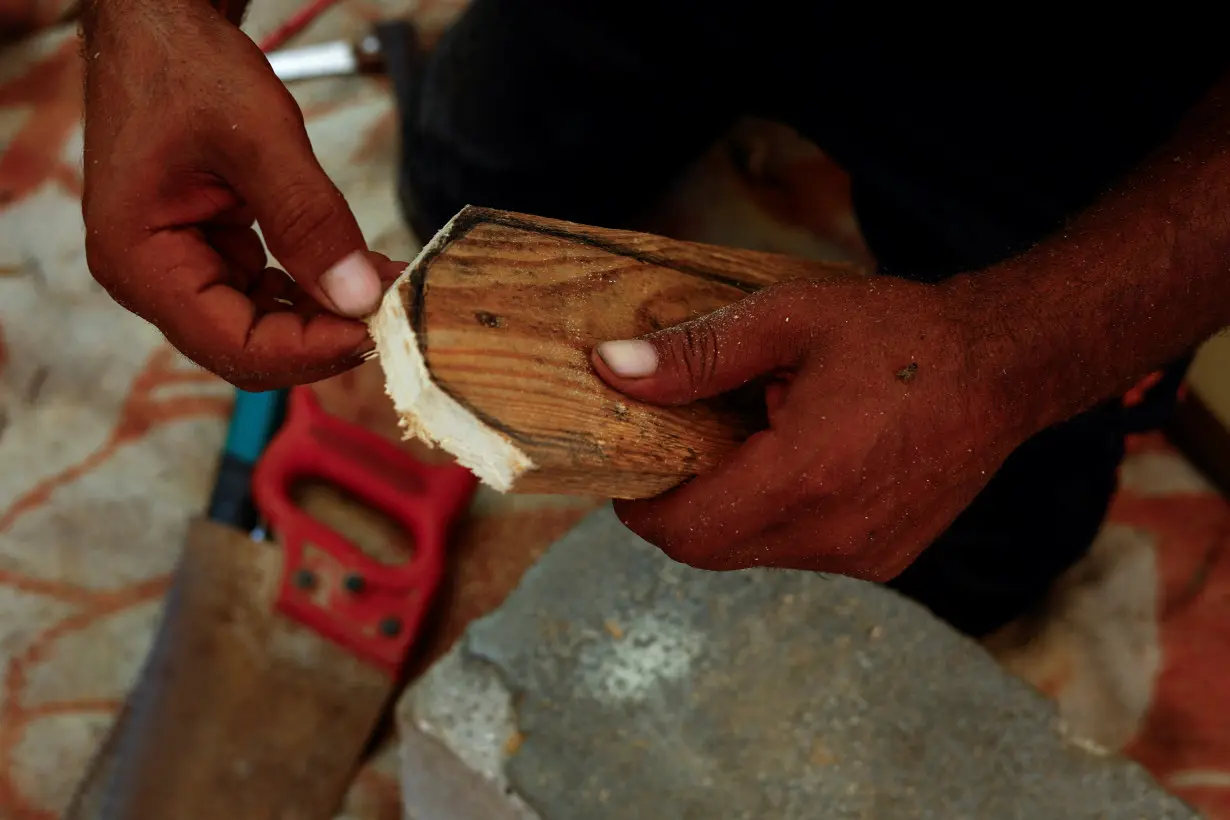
[108, 441]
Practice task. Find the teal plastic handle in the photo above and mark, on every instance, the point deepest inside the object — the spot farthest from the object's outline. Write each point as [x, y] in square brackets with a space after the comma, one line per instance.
[254, 420]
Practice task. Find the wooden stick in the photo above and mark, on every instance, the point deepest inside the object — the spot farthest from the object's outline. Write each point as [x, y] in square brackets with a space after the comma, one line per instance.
[485, 343]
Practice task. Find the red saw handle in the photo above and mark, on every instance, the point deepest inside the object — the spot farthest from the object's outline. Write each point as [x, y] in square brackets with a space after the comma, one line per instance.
[329, 585]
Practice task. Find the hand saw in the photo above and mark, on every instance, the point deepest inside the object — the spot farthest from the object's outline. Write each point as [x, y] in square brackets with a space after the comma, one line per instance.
[274, 660]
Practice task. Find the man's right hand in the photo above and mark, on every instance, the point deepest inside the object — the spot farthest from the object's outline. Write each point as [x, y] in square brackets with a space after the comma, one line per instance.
[190, 142]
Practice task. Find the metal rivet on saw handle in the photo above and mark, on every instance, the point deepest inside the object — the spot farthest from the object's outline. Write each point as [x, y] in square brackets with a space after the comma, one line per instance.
[390, 627]
[305, 579]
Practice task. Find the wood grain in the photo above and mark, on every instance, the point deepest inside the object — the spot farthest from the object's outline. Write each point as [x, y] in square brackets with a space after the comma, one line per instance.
[507, 310]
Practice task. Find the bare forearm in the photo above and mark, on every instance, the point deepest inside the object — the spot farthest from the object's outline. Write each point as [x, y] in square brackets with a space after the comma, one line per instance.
[1136, 281]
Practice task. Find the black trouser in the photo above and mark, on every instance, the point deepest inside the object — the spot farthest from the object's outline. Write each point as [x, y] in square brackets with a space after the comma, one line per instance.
[587, 109]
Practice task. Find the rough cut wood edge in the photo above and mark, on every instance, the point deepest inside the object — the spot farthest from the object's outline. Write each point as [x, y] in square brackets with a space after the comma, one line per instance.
[426, 412]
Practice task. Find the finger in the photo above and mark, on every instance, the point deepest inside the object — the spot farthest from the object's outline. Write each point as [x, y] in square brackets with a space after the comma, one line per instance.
[775, 393]
[792, 544]
[755, 488]
[203, 315]
[808, 540]
[875, 542]
[306, 222]
[241, 247]
[708, 356]
[238, 216]
[387, 269]
[772, 478]
[803, 543]
[273, 290]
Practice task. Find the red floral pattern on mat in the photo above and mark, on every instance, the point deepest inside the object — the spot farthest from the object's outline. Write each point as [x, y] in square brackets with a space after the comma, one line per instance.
[50, 91]
[142, 411]
[1185, 739]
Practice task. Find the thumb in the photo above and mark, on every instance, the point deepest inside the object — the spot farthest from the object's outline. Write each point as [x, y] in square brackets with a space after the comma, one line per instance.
[702, 358]
[308, 226]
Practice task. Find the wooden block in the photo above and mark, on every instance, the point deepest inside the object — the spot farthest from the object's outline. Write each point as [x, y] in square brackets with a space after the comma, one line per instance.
[485, 342]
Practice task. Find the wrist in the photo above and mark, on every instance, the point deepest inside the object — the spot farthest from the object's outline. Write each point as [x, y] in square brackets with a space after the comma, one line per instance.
[1019, 359]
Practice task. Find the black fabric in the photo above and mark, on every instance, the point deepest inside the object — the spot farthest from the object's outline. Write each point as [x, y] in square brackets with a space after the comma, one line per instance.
[967, 140]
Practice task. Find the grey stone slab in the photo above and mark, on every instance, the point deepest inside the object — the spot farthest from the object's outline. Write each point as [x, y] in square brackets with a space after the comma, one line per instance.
[641, 688]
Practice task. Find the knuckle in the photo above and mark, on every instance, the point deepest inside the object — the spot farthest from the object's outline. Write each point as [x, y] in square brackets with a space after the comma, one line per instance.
[305, 214]
[285, 107]
[698, 352]
[795, 300]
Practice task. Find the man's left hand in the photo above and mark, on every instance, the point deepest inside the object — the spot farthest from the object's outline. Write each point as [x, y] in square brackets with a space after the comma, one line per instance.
[884, 423]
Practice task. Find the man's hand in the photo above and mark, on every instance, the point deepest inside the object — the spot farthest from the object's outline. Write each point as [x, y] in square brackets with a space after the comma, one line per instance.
[903, 399]
[881, 429]
[190, 142]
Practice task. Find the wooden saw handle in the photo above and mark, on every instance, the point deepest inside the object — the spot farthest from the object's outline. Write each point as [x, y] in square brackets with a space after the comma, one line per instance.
[503, 310]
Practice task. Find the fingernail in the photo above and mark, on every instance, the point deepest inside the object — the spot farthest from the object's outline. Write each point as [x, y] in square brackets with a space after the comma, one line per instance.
[633, 359]
[352, 285]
